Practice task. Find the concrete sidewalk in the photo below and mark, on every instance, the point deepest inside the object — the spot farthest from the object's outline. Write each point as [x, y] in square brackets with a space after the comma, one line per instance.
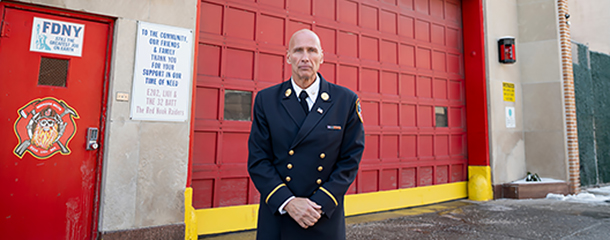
[463, 219]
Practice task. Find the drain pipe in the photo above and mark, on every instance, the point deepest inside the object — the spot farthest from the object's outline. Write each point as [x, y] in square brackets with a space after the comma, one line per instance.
[569, 97]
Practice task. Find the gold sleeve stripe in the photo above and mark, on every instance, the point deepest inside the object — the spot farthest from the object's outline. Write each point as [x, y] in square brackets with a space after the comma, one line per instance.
[274, 190]
[330, 195]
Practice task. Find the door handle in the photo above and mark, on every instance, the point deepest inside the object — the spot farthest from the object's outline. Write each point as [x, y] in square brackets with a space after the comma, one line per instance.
[92, 139]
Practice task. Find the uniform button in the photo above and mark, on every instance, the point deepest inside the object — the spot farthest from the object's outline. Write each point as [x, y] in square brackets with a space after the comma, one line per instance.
[288, 179]
[319, 181]
[322, 155]
[289, 166]
[291, 152]
[320, 168]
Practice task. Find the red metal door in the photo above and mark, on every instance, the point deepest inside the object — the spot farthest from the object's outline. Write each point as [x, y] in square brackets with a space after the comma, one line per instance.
[49, 97]
[404, 58]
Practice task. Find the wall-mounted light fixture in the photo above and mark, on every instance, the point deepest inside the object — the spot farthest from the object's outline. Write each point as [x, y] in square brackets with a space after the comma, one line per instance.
[506, 48]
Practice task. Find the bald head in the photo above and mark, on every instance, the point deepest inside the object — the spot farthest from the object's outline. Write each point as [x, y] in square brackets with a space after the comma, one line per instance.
[304, 33]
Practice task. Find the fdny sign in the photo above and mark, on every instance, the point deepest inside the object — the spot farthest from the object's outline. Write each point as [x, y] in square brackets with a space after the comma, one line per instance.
[57, 37]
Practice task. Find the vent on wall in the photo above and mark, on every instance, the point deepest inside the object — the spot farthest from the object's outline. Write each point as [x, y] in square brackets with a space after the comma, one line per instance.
[53, 72]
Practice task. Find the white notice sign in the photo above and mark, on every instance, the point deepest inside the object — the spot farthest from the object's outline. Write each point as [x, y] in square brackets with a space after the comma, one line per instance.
[57, 37]
[510, 117]
[162, 75]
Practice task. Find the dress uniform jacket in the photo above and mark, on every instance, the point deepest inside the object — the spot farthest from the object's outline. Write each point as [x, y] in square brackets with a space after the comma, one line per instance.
[314, 156]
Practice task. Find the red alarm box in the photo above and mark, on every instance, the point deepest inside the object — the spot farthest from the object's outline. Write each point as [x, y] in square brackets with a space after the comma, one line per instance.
[506, 47]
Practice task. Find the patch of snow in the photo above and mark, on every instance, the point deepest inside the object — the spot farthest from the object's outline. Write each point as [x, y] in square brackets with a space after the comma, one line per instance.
[605, 191]
[544, 180]
[581, 197]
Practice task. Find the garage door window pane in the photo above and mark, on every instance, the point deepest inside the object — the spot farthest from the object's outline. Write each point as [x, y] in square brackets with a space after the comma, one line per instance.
[238, 105]
[441, 116]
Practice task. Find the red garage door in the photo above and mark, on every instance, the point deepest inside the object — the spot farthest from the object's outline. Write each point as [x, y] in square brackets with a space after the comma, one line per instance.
[403, 57]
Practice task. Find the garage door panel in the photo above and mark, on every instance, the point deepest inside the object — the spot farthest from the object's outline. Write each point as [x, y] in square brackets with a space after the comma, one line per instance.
[369, 49]
[324, 9]
[424, 87]
[457, 145]
[452, 11]
[437, 9]
[408, 115]
[454, 64]
[240, 23]
[271, 29]
[458, 172]
[389, 50]
[389, 148]
[205, 153]
[441, 146]
[389, 179]
[442, 174]
[207, 104]
[203, 192]
[389, 115]
[389, 21]
[368, 181]
[233, 145]
[408, 177]
[422, 30]
[369, 17]
[370, 80]
[408, 147]
[208, 62]
[349, 44]
[348, 77]
[422, 6]
[406, 26]
[406, 55]
[456, 117]
[425, 146]
[211, 18]
[301, 6]
[438, 34]
[347, 12]
[407, 86]
[389, 83]
[270, 67]
[239, 63]
[440, 88]
[232, 191]
[425, 176]
[439, 61]
[424, 57]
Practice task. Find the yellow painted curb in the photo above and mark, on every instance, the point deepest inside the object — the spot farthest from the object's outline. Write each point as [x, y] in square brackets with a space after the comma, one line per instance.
[479, 183]
[244, 217]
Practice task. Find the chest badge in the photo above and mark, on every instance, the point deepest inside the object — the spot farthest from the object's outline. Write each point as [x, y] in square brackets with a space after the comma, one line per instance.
[325, 96]
[320, 110]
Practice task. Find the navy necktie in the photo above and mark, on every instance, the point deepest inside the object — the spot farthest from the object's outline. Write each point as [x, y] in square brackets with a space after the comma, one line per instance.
[303, 96]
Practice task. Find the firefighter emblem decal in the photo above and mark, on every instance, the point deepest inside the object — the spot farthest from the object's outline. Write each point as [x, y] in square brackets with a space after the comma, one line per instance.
[45, 127]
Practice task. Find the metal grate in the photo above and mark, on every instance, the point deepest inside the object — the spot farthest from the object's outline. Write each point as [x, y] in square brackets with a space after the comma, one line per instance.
[53, 72]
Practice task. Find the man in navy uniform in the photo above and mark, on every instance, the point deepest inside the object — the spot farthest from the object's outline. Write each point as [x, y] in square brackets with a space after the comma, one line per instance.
[304, 148]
